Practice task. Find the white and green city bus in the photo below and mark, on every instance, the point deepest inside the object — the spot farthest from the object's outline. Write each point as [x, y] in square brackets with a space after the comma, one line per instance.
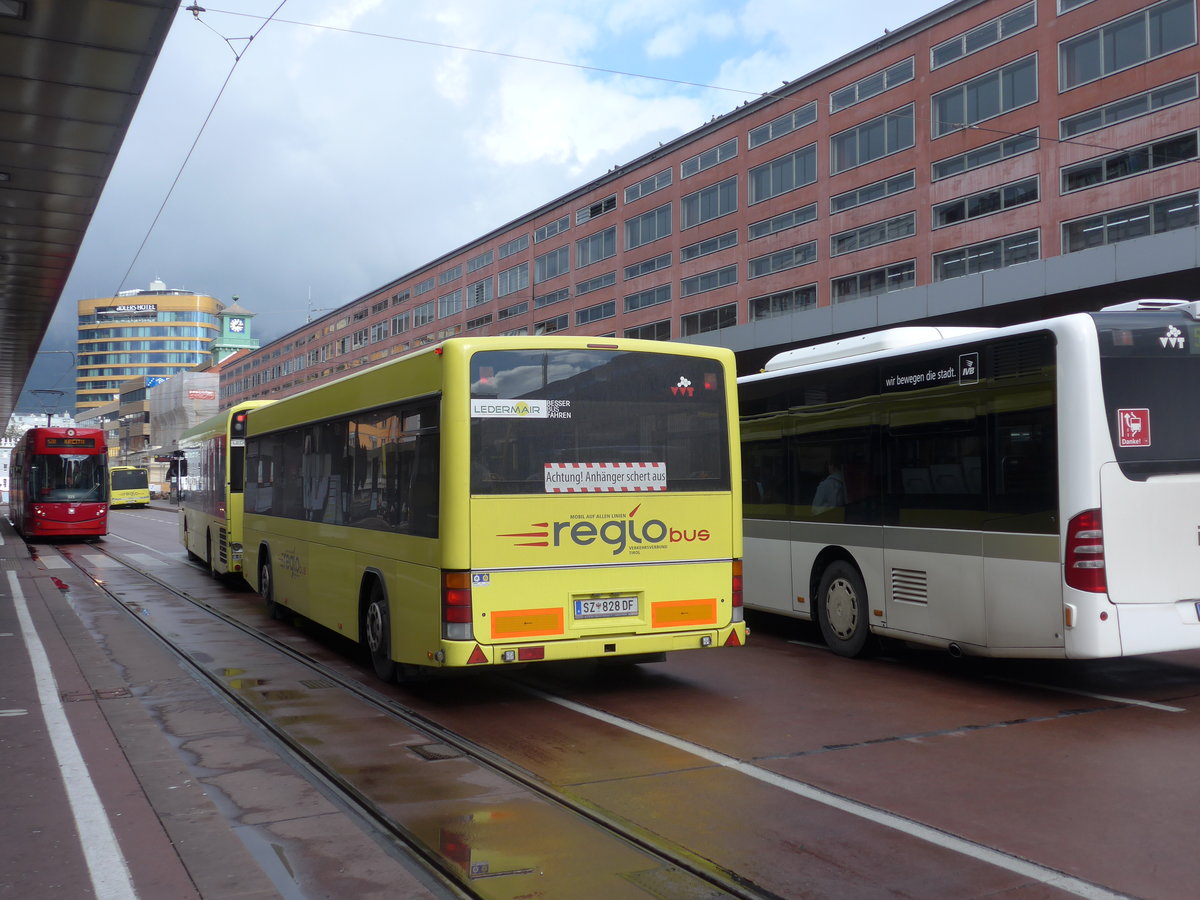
[1026, 491]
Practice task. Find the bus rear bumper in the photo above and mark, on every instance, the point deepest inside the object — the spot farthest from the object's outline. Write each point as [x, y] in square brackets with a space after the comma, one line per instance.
[468, 653]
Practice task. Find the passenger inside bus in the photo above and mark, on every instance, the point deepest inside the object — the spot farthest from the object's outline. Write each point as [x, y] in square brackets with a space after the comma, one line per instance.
[831, 492]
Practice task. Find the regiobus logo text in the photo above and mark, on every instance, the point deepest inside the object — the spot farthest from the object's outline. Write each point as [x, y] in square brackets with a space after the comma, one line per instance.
[624, 533]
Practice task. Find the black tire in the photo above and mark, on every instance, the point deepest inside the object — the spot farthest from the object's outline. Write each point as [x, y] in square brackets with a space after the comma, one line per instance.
[376, 634]
[266, 587]
[843, 611]
[212, 569]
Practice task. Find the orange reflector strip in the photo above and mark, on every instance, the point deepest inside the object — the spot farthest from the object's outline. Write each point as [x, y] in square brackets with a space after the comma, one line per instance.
[684, 612]
[523, 623]
[477, 656]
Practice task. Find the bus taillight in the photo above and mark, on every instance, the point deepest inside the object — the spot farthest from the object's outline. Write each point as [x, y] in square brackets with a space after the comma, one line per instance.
[457, 615]
[1084, 565]
[738, 611]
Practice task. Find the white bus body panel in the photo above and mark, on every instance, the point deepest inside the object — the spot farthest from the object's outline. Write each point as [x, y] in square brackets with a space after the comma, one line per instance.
[1153, 564]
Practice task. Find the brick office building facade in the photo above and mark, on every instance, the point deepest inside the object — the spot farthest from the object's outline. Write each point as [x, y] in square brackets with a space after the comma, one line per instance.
[993, 161]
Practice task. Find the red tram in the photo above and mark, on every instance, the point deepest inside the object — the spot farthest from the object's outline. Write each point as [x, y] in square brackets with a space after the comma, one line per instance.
[58, 483]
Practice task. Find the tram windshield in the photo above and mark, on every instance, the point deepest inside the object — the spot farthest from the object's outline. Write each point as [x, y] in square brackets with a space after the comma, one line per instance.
[67, 477]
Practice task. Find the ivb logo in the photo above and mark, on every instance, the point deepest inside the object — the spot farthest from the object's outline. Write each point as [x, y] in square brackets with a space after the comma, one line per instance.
[968, 368]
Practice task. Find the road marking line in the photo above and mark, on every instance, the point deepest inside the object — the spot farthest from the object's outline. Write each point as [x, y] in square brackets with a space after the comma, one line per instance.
[171, 557]
[1022, 867]
[106, 865]
[1124, 701]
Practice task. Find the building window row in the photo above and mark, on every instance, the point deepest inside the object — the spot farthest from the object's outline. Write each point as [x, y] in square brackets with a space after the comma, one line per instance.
[559, 296]
[712, 245]
[783, 303]
[782, 260]
[648, 227]
[708, 203]
[596, 247]
[549, 230]
[886, 231]
[648, 185]
[1126, 42]
[708, 158]
[784, 125]
[986, 256]
[986, 155]
[708, 281]
[1128, 108]
[985, 203]
[882, 136]
[1020, 19]
[599, 283]
[991, 94]
[590, 314]
[1140, 220]
[782, 222]
[869, 193]
[475, 263]
[551, 265]
[651, 297]
[1127, 163]
[655, 264]
[780, 176]
[599, 208]
[872, 85]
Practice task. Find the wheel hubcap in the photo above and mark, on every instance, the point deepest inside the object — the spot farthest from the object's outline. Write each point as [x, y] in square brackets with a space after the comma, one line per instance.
[374, 627]
[841, 609]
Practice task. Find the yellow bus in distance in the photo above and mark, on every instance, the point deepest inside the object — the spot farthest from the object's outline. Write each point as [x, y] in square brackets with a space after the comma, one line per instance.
[210, 489]
[128, 486]
[501, 500]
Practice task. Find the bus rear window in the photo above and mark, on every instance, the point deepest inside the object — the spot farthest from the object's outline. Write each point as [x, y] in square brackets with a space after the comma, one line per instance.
[568, 421]
[1149, 364]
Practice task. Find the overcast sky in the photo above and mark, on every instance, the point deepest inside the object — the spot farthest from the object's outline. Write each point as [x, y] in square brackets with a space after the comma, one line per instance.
[353, 142]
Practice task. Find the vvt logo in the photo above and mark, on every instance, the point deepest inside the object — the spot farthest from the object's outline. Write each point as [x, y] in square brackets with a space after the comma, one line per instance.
[1173, 338]
[619, 533]
[684, 388]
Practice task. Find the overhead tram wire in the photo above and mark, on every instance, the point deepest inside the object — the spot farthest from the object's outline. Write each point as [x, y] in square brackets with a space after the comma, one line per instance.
[712, 87]
[195, 10]
[535, 59]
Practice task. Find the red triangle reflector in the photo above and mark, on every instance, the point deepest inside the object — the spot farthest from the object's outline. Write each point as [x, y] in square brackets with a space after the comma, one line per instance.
[732, 640]
[477, 656]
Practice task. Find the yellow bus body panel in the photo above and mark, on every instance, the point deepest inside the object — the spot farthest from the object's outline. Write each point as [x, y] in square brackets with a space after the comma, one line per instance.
[530, 556]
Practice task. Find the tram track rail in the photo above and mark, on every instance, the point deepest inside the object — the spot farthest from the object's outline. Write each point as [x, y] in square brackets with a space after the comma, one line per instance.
[711, 879]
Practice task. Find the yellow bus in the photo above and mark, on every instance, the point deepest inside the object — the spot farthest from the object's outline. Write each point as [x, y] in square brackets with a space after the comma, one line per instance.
[210, 489]
[501, 500]
[128, 486]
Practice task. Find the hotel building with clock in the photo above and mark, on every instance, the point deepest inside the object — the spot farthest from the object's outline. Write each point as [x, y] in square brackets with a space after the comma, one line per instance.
[151, 334]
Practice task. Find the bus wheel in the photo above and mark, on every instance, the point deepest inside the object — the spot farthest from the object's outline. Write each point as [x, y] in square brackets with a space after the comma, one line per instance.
[377, 630]
[842, 607]
[266, 587]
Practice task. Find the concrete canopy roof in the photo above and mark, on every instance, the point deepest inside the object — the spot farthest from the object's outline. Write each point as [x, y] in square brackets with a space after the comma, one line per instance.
[71, 76]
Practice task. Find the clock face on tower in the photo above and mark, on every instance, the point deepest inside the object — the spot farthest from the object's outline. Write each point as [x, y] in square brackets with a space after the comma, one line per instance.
[237, 326]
